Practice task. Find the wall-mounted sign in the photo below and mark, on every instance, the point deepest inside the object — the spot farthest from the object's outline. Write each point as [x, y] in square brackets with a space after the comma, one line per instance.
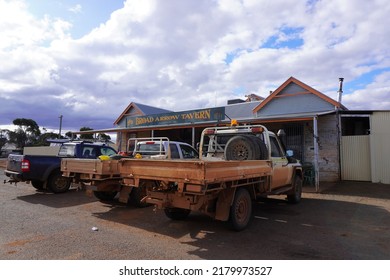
[194, 116]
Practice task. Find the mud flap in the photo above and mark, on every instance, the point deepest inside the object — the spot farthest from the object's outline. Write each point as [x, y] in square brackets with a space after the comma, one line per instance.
[224, 202]
[124, 194]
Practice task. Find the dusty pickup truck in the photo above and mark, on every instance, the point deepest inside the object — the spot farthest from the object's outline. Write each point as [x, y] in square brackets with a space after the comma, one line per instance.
[236, 165]
[103, 178]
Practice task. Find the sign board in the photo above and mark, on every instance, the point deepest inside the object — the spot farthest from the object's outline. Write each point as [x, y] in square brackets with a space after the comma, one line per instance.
[184, 117]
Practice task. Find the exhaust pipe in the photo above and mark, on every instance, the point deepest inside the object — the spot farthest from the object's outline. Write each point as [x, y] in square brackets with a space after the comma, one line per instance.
[340, 92]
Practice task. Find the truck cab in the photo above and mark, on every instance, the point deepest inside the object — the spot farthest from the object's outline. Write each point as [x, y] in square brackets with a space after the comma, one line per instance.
[162, 148]
[252, 142]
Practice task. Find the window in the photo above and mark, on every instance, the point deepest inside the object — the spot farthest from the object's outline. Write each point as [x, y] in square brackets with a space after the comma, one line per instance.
[355, 125]
[188, 152]
[174, 151]
[67, 151]
[107, 151]
[275, 148]
[88, 152]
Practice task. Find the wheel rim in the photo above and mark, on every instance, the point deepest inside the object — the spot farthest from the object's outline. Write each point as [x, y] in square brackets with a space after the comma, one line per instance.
[241, 152]
[61, 183]
[241, 211]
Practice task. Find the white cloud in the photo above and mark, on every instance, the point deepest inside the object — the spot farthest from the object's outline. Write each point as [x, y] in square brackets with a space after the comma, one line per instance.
[374, 96]
[76, 9]
[173, 54]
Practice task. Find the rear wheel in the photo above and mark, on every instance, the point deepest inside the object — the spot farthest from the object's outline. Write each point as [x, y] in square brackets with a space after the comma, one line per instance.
[105, 196]
[177, 213]
[57, 183]
[137, 194]
[241, 210]
[38, 185]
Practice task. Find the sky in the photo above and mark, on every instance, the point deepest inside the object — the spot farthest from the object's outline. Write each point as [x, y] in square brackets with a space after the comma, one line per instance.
[87, 60]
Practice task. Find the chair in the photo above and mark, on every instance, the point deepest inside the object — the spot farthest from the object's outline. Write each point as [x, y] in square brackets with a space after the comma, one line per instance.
[308, 173]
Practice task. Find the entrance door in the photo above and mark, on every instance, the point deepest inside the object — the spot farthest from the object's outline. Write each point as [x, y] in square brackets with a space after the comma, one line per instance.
[355, 158]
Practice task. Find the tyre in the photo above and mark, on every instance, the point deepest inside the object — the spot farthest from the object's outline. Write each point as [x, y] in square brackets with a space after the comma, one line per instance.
[262, 152]
[105, 196]
[57, 183]
[38, 185]
[241, 147]
[177, 213]
[241, 210]
[137, 194]
[296, 193]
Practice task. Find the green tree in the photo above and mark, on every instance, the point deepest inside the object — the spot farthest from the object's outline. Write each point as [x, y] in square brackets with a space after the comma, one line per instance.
[86, 136]
[42, 140]
[27, 132]
[104, 137]
[3, 137]
[69, 134]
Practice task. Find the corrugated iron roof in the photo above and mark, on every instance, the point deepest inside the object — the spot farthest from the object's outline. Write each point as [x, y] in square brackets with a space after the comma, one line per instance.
[241, 110]
[150, 110]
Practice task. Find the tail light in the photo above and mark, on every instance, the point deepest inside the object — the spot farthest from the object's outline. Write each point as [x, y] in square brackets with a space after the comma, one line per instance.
[209, 131]
[257, 129]
[25, 165]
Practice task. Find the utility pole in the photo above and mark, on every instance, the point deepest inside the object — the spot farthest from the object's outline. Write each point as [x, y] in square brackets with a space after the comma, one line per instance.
[59, 134]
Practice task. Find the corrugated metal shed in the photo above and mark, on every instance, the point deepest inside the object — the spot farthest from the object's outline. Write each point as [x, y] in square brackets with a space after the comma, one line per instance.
[380, 147]
[355, 154]
[241, 110]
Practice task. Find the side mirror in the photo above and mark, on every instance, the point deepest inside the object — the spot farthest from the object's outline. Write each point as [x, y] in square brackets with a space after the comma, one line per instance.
[290, 153]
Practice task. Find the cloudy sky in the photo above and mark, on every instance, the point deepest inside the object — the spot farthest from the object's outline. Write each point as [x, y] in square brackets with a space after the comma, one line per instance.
[88, 59]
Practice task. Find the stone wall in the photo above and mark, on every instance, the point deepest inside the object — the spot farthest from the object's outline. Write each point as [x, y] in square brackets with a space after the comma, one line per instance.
[328, 143]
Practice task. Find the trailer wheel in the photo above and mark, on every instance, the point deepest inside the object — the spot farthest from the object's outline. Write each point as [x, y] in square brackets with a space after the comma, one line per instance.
[57, 183]
[241, 148]
[177, 213]
[38, 185]
[105, 196]
[137, 194]
[296, 193]
[241, 210]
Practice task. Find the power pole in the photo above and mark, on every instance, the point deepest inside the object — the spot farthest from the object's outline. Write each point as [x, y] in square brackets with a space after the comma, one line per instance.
[59, 134]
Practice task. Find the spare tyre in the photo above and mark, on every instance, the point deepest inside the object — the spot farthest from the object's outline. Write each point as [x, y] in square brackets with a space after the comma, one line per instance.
[241, 147]
[263, 151]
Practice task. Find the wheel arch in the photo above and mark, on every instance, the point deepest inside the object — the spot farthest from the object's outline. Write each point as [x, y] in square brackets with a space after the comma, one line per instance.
[51, 170]
[225, 201]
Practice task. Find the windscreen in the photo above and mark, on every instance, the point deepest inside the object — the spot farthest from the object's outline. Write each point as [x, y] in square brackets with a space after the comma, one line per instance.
[150, 148]
[67, 151]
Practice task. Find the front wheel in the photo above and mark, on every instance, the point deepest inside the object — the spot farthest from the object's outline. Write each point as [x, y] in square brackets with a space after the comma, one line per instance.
[241, 210]
[57, 183]
[295, 195]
